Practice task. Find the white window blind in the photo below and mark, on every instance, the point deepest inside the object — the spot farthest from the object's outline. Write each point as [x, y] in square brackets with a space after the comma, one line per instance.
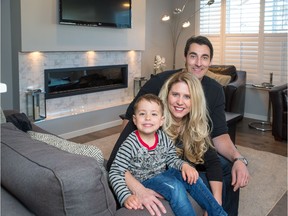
[276, 16]
[242, 16]
[250, 34]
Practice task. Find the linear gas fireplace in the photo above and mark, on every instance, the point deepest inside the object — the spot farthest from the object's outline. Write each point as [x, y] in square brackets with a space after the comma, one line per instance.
[81, 80]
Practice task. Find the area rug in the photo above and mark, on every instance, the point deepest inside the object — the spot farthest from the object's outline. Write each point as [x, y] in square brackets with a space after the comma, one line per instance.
[267, 185]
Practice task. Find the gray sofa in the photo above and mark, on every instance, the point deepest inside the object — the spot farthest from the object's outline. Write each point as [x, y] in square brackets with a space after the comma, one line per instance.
[39, 179]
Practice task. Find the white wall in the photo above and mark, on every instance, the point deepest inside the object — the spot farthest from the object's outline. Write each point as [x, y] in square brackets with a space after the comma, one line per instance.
[157, 36]
[40, 30]
[6, 60]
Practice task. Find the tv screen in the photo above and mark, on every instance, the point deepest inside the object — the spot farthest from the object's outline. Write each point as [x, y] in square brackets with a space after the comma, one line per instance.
[105, 13]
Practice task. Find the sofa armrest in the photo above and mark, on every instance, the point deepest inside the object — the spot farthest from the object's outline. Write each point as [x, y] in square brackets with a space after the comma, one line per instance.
[11, 206]
[235, 94]
[277, 102]
[49, 181]
[275, 96]
[240, 79]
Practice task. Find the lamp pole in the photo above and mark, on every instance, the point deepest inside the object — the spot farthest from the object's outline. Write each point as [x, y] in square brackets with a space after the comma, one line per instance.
[176, 28]
[175, 32]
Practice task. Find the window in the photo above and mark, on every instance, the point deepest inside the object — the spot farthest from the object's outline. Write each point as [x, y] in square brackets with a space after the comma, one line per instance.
[250, 34]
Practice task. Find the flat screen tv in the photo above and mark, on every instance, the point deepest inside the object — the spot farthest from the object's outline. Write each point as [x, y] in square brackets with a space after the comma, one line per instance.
[100, 13]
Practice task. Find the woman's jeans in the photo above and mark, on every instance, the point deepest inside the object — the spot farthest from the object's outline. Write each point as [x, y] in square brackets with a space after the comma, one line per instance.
[172, 187]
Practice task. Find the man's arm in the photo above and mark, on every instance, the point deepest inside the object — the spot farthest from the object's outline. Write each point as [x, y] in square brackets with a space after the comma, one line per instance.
[225, 147]
[216, 104]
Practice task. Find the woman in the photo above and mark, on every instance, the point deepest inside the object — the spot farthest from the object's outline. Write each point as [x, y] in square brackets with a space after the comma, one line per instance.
[186, 123]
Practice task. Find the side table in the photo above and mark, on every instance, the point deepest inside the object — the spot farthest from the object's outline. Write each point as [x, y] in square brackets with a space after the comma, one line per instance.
[263, 125]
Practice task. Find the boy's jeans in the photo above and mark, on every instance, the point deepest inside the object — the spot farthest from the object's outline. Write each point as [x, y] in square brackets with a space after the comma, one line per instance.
[172, 187]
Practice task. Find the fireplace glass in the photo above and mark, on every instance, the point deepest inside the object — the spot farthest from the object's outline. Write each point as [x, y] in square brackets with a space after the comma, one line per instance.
[81, 80]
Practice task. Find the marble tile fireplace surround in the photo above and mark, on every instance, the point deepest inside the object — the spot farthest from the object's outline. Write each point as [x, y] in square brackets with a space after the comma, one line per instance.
[31, 75]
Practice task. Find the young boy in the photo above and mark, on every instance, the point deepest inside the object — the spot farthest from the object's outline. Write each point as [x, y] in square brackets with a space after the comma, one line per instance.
[146, 154]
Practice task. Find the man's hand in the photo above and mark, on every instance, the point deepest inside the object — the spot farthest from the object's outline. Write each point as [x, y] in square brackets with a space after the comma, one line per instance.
[132, 202]
[149, 199]
[240, 175]
[189, 173]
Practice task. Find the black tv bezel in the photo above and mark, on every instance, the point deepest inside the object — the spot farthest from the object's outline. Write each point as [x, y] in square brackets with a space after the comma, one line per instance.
[92, 24]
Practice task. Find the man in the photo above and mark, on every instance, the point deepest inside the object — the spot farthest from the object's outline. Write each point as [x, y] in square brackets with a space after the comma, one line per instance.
[198, 54]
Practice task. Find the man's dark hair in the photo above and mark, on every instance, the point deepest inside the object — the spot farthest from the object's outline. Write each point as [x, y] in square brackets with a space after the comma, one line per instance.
[201, 40]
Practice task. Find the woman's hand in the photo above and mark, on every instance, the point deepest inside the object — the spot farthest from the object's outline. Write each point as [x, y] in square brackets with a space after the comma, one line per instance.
[216, 188]
[147, 197]
[189, 173]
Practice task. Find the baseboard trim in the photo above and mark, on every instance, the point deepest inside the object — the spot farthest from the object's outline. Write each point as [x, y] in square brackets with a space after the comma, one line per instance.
[257, 117]
[91, 129]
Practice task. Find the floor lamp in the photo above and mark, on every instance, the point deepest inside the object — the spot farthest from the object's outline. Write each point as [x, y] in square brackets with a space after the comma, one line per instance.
[176, 27]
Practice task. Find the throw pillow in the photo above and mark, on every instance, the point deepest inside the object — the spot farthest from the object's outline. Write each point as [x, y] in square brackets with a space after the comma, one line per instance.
[229, 70]
[3, 118]
[71, 147]
[20, 120]
[222, 79]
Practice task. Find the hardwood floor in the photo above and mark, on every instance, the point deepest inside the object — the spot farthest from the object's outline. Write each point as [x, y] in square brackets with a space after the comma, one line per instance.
[97, 135]
[245, 136]
[264, 141]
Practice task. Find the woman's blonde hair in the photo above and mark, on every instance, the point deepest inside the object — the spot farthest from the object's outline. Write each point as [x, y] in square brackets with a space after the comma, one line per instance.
[193, 131]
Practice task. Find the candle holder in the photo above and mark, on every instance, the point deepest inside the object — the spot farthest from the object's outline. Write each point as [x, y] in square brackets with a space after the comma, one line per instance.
[35, 104]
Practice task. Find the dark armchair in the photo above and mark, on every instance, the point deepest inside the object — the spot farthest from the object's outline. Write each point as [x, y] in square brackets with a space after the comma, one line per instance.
[278, 97]
[235, 90]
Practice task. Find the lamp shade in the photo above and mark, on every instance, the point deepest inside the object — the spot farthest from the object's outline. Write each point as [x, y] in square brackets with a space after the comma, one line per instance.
[3, 87]
[165, 18]
[186, 24]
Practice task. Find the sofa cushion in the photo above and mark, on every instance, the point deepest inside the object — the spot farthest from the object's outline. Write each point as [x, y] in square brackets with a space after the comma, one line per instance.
[222, 79]
[49, 181]
[228, 70]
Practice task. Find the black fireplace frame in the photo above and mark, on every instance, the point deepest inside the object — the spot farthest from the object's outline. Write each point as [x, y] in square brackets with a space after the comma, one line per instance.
[84, 75]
